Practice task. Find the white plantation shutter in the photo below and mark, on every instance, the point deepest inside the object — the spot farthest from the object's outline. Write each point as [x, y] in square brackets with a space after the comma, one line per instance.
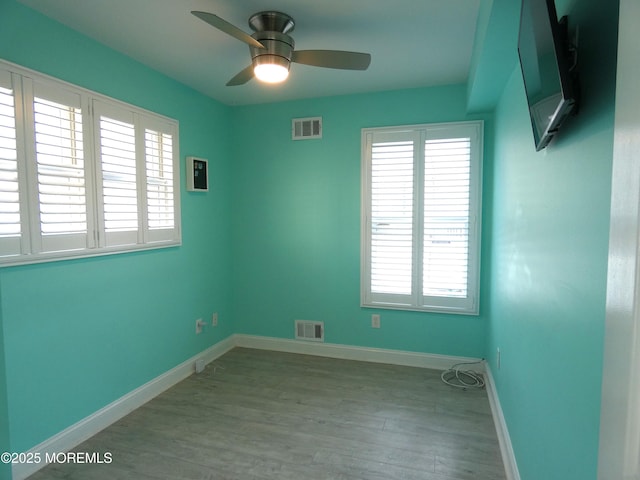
[160, 176]
[447, 177]
[119, 178]
[118, 175]
[421, 204]
[60, 172]
[392, 178]
[10, 223]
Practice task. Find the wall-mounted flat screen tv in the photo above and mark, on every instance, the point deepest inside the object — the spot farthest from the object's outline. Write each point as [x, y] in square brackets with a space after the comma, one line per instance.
[549, 77]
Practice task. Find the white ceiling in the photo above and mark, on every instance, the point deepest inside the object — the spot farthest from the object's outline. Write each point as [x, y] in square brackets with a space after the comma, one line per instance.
[412, 43]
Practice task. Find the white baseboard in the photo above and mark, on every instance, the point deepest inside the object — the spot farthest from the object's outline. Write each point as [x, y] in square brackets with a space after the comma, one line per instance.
[348, 352]
[506, 449]
[77, 433]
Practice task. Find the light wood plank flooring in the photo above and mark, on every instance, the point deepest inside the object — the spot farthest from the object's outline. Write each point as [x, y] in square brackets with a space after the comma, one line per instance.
[257, 415]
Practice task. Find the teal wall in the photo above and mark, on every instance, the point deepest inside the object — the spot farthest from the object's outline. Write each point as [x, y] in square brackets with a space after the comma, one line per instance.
[296, 222]
[79, 334]
[549, 220]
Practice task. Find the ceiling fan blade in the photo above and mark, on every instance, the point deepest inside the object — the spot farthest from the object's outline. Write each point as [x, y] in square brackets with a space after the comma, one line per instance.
[242, 77]
[332, 59]
[227, 28]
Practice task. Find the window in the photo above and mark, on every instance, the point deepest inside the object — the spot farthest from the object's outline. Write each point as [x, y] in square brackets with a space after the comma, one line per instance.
[10, 225]
[81, 174]
[421, 192]
[59, 169]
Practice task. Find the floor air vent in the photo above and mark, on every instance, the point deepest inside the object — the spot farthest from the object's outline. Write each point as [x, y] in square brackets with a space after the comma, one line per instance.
[313, 331]
[306, 128]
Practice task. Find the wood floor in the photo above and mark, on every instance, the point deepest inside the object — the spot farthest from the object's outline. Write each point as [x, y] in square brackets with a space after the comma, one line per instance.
[257, 415]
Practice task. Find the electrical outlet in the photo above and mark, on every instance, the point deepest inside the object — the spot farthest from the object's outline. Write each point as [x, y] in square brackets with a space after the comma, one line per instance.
[498, 358]
[199, 325]
[375, 321]
[214, 319]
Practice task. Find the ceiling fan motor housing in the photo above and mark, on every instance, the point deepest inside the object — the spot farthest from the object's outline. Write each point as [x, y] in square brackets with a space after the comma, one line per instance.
[271, 21]
[278, 49]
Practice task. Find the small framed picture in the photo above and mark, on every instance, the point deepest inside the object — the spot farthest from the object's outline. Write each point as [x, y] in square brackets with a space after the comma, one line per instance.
[197, 174]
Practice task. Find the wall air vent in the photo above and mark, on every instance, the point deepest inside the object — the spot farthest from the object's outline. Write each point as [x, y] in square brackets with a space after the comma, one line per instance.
[313, 331]
[306, 128]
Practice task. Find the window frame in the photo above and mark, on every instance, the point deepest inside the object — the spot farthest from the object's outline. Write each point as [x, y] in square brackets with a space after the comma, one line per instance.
[416, 301]
[25, 83]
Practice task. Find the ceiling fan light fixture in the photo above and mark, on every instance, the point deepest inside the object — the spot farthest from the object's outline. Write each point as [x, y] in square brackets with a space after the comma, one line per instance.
[271, 68]
[272, 49]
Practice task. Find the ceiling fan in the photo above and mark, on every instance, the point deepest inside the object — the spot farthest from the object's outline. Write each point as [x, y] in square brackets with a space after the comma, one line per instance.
[272, 49]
